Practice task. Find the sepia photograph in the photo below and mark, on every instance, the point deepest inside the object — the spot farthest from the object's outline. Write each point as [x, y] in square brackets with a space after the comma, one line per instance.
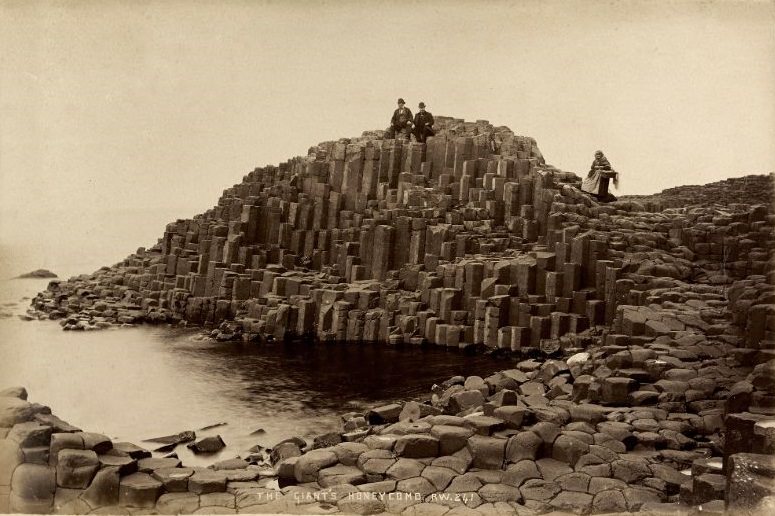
[446, 258]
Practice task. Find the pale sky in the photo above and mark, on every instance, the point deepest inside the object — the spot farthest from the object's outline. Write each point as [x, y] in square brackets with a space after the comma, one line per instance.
[118, 117]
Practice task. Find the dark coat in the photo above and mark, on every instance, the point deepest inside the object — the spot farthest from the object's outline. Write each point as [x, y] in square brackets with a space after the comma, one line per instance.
[400, 119]
[423, 120]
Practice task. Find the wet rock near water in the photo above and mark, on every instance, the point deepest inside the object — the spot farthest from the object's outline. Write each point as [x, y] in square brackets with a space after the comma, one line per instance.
[208, 445]
[170, 442]
[211, 426]
[511, 438]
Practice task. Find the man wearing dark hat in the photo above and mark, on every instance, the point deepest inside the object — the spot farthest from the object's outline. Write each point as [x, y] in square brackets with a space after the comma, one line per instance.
[423, 124]
[401, 123]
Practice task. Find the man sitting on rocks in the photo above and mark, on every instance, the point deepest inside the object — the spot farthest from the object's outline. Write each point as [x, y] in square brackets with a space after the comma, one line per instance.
[596, 182]
[423, 124]
[400, 123]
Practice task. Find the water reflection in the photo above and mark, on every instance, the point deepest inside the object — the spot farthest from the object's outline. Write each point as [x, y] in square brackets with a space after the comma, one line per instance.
[138, 383]
[322, 375]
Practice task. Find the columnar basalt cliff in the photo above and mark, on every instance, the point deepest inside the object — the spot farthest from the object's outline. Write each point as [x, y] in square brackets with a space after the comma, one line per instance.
[382, 240]
[642, 329]
[279, 248]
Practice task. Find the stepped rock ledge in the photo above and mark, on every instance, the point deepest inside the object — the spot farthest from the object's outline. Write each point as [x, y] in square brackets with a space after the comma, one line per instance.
[636, 337]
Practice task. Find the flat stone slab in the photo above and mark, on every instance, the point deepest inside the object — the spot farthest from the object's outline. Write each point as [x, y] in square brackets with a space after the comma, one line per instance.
[485, 425]
[180, 437]
[132, 450]
[204, 481]
[177, 503]
[244, 475]
[417, 446]
[126, 465]
[405, 468]
[500, 493]
[150, 464]
[230, 464]
[218, 500]
[341, 474]
[749, 480]
[139, 490]
[174, 480]
[451, 438]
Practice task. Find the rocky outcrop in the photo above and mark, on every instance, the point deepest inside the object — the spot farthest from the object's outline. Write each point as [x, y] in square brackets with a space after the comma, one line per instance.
[637, 336]
[470, 239]
[745, 191]
[571, 433]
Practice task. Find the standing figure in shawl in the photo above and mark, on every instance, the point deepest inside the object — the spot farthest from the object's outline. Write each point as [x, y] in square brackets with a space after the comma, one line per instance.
[596, 182]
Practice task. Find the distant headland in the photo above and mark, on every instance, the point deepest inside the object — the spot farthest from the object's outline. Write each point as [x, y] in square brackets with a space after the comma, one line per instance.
[38, 274]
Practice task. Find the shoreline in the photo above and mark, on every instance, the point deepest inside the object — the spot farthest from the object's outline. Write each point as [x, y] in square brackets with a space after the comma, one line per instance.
[517, 437]
[652, 321]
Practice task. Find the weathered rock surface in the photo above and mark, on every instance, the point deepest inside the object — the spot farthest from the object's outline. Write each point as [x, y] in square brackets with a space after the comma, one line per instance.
[750, 479]
[208, 445]
[636, 336]
[76, 468]
[139, 490]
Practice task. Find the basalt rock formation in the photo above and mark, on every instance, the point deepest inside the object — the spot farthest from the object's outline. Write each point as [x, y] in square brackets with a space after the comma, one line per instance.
[367, 239]
[649, 320]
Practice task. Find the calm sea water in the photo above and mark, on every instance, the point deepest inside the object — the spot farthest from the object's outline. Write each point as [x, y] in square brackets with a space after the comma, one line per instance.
[137, 383]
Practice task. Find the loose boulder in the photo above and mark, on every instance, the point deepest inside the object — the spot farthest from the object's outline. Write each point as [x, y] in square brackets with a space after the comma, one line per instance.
[309, 464]
[208, 445]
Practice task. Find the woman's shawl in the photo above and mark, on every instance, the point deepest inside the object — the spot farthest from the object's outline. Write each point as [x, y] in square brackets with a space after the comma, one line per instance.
[591, 184]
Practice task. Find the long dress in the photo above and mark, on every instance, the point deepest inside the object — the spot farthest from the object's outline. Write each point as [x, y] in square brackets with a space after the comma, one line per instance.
[601, 169]
[591, 183]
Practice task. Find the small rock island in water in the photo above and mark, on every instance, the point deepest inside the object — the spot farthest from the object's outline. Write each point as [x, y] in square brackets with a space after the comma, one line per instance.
[38, 274]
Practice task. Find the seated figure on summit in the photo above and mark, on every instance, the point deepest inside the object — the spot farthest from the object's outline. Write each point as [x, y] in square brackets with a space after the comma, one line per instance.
[400, 123]
[423, 124]
[596, 182]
